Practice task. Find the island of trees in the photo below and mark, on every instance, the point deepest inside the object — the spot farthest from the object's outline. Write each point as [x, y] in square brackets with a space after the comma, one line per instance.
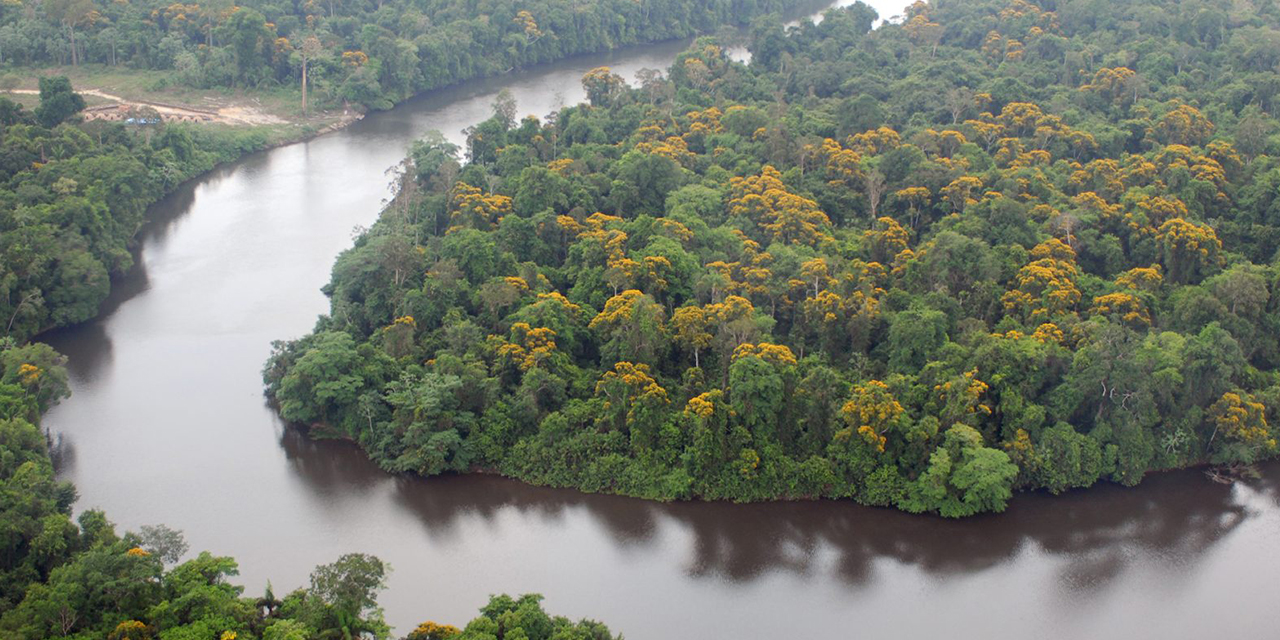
[1003, 245]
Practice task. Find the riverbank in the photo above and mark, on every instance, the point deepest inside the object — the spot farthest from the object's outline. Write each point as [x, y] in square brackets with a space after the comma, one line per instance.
[61, 266]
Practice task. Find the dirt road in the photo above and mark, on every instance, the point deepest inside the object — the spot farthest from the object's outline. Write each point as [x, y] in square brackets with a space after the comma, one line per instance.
[237, 114]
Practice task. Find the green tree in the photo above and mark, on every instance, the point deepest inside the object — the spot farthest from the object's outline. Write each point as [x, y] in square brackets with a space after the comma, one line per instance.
[1065, 459]
[323, 381]
[964, 477]
[250, 40]
[914, 336]
[348, 589]
[58, 101]
[38, 371]
[602, 86]
[71, 15]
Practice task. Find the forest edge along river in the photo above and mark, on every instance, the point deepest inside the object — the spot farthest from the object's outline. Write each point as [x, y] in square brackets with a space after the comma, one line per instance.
[168, 425]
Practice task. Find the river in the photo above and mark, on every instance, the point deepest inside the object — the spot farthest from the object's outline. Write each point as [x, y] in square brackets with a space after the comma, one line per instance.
[168, 424]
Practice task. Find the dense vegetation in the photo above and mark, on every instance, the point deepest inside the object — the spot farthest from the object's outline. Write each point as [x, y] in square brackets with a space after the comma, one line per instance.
[368, 53]
[73, 195]
[79, 579]
[1004, 245]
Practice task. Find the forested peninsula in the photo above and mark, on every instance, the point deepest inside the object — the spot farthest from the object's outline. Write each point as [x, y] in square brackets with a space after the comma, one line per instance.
[1003, 245]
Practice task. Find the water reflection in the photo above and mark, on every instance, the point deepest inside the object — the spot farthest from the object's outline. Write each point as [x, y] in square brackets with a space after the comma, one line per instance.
[89, 344]
[61, 453]
[1174, 516]
[168, 210]
[327, 467]
[92, 347]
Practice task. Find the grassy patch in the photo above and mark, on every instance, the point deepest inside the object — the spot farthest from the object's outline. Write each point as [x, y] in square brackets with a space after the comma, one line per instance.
[162, 86]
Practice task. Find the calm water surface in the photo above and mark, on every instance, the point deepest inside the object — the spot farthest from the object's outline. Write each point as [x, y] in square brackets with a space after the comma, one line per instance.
[168, 424]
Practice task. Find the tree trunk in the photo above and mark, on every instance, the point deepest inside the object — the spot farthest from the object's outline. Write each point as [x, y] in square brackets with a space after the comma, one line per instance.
[304, 86]
[71, 33]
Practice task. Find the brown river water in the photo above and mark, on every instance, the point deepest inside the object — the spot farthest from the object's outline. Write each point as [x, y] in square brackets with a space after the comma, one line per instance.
[168, 424]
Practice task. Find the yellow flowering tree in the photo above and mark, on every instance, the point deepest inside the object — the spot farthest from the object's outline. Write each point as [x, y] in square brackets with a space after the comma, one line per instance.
[1114, 84]
[1190, 251]
[527, 348]
[783, 215]
[432, 630]
[634, 400]
[632, 327]
[602, 86]
[1240, 430]
[886, 239]
[914, 199]
[689, 327]
[1124, 306]
[1046, 287]
[1182, 124]
[472, 208]
[131, 630]
[870, 414]
[759, 378]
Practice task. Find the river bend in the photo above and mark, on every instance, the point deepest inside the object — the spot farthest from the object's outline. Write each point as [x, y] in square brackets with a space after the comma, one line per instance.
[168, 424]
